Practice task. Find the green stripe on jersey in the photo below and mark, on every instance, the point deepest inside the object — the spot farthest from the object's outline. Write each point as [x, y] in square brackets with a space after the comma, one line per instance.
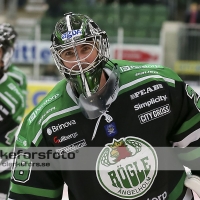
[143, 80]
[5, 176]
[178, 189]
[15, 73]
[20, 189]
[5, 146]
[188, 124]
[8, 103]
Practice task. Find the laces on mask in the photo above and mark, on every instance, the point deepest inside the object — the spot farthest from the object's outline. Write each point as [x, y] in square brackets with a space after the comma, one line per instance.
[108, 119]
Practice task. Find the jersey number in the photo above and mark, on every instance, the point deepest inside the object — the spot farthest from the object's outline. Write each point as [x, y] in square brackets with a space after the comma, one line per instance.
[22, 168]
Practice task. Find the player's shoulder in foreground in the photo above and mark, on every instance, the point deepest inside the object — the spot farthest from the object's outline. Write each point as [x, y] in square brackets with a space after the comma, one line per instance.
[11, 97]
[11, 90]
[18, 75]
[14, 69]
[130, 71]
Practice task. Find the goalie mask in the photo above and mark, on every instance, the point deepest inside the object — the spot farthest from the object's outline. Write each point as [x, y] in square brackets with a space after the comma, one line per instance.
[80, 50]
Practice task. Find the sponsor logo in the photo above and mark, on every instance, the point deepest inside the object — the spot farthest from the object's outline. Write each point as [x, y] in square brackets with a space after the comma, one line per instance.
[163, 196]
[71, 34]
[146, 72]
[146, 91]
[126, 168]
[4, 110]
[154, 114]
[63, 126]
[150, 102]
[21, 141]
[128, 68]
[64, 138]
[40, 107]
[72, 147]
[48, 111]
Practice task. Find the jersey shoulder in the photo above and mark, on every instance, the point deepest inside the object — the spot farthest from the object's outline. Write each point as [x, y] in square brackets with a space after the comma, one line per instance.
[42, 114]
[135, 71]
[11, 89]
[17, 75]
[12, 97]
[15, 69]
[51, 99]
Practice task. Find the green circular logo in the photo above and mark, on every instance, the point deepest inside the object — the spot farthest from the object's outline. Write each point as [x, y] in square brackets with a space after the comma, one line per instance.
[127, 167]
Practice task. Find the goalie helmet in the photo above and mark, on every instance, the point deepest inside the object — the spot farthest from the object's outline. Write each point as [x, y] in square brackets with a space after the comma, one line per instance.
[7, 46]
[74, 31]
[11, 31]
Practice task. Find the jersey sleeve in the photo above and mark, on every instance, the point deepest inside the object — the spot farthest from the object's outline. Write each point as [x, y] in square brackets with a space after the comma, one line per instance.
[19, 77]
[185, 136]
[31, 179]
[12, 109]
[9, 122]
[8, 126]
[35, 185]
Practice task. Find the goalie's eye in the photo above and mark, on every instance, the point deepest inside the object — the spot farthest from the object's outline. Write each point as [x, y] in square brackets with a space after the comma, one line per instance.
[68, 54]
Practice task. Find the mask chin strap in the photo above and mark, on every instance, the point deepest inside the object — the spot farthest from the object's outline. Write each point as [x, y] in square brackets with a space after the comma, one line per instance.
[108, 119]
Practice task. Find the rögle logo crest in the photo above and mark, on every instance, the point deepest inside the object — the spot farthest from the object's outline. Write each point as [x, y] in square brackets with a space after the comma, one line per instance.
[127, 167]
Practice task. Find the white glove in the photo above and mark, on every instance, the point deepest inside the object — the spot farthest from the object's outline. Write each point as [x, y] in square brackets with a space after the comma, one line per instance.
[193, 182]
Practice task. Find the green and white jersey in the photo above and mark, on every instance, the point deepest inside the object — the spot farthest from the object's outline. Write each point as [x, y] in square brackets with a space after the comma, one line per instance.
[154, 108]
[19, 77]
[12, 107]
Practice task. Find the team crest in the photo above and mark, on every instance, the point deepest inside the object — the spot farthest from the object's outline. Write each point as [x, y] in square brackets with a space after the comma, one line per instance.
[127, 167]
[110, 129]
